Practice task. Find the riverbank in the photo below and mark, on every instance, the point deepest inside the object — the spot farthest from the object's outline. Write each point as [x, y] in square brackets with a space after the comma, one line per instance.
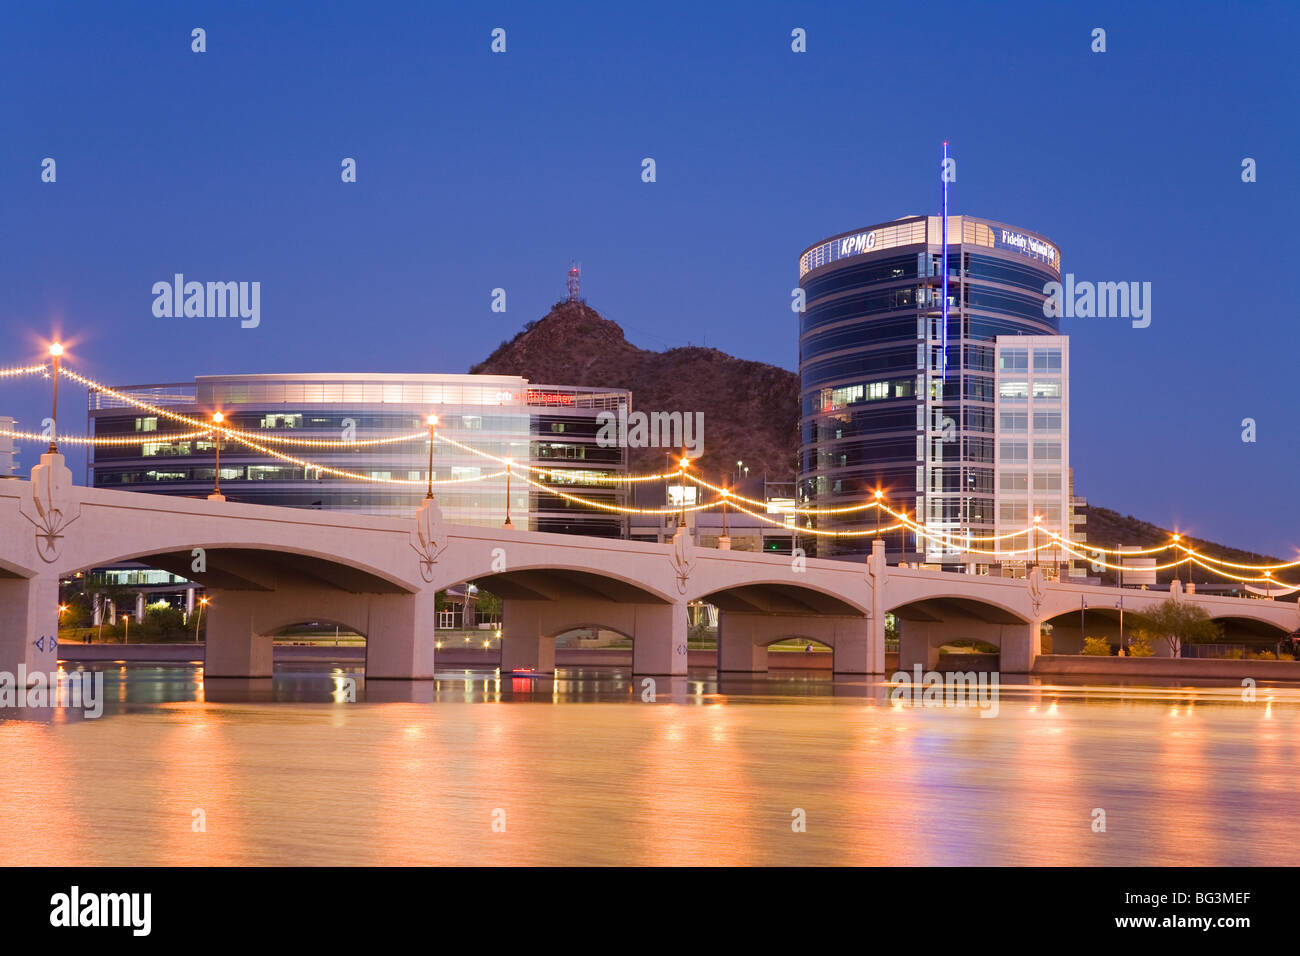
[478, 658]
[473, 657]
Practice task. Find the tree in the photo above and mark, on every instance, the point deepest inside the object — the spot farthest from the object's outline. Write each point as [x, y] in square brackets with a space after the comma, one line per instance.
[1179, 623]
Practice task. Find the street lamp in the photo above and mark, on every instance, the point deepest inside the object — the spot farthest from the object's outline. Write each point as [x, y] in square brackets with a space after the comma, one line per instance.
[126, 628]
[509, 469]
[56, 351]
[432, 420]
[203, 602]
[217, 418]
[879, 494]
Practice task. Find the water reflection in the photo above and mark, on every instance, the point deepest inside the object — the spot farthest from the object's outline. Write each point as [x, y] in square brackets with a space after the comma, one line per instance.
[710, 773]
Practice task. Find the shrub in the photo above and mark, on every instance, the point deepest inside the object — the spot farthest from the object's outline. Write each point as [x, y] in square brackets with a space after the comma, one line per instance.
[1284, 656]
[1264, 656]
[1235, 654]
[1141, 647]
[1096, 647]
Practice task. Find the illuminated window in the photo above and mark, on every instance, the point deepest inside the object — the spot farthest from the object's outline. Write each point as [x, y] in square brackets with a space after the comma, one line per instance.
[1015, 391]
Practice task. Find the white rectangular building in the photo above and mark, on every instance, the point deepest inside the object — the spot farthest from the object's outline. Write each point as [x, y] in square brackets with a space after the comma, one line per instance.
[1032, 446]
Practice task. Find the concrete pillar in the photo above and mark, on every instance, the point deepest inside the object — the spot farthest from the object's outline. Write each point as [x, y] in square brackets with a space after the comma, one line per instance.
[189, 602]
[233, 647]
[29, 623]
[97, 607]
[738, 648]
[139, 607]
[659, 639]
[401, 635]
[523, 643]
[1021, 645]
[852, 644]
[878, 572]
[916, 646]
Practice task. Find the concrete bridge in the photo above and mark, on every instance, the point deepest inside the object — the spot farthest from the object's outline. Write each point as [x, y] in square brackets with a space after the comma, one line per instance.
[268, 568]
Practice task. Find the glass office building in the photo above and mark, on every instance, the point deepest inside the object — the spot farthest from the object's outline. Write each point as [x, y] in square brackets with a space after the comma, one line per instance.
[891, 402]
[553, 427]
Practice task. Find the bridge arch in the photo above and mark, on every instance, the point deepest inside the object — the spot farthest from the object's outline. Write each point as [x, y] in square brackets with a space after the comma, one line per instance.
[254, 565]
[564, 581]
[927, 622]
[773, 595]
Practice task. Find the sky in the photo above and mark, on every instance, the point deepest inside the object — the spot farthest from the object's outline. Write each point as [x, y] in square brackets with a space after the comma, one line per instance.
[479, 170]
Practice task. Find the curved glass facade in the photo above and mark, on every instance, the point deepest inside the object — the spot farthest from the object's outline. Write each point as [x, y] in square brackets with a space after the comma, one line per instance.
[877, 409]
[545, 426]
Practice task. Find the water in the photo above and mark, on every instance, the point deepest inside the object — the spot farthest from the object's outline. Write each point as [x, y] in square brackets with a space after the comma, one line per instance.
[583, 772]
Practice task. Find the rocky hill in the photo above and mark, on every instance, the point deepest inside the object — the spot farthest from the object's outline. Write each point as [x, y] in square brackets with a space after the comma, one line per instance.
[750, 408]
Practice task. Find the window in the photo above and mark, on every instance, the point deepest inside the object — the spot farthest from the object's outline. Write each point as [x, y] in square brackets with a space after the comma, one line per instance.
[1017, 390]
[1047, 360]
[1013, 481]
[1014, 451]
[1014, 360]
[149, 424]
[1015, 421]
[1047, 421]
[1013, 512]
[1049, 390]
[1047, 450]
[1047, 481]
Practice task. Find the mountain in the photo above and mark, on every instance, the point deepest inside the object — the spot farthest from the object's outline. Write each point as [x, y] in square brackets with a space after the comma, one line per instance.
[750, 409]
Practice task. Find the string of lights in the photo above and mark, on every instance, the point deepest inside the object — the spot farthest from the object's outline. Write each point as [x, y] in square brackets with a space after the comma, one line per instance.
[819, 531]
[235, 432]
[341, 473]
[29, 370]
[596, 476]
[725, 496]
[102, 441]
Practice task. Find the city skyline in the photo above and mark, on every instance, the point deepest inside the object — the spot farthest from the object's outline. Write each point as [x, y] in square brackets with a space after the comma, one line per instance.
[147, 187]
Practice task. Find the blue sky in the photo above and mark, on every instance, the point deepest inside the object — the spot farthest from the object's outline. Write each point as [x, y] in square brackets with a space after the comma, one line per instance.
[479, 170]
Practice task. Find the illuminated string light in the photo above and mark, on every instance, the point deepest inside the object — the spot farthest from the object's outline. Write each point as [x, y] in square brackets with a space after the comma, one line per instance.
[103, 440]
[235, 432]
[963, 542]
[341, 473]
[29, 370]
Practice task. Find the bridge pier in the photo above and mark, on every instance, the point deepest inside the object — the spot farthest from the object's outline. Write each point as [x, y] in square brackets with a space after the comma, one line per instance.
[1020, 647]
[29, 623]
[918, 644]
[743, 638]
[233, 646]
[658, 632]
[399, 629]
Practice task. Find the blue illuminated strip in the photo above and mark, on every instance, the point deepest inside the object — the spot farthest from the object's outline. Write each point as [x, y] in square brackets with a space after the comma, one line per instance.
[943, 175]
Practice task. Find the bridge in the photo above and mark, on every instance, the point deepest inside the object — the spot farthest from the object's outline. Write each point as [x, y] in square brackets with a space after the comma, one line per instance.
[267, 568]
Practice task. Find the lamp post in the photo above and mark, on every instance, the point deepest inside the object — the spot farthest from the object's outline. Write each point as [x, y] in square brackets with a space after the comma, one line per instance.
[1037, 519]
[126, 628]
[203, 602]
[216, 495]
[56, 351]
[879, 494]
[509, 469]
[683, 464]
[432, 420]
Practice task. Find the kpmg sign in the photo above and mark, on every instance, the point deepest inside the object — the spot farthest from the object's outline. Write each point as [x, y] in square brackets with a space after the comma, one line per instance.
[855, 245]
[1029, 245]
